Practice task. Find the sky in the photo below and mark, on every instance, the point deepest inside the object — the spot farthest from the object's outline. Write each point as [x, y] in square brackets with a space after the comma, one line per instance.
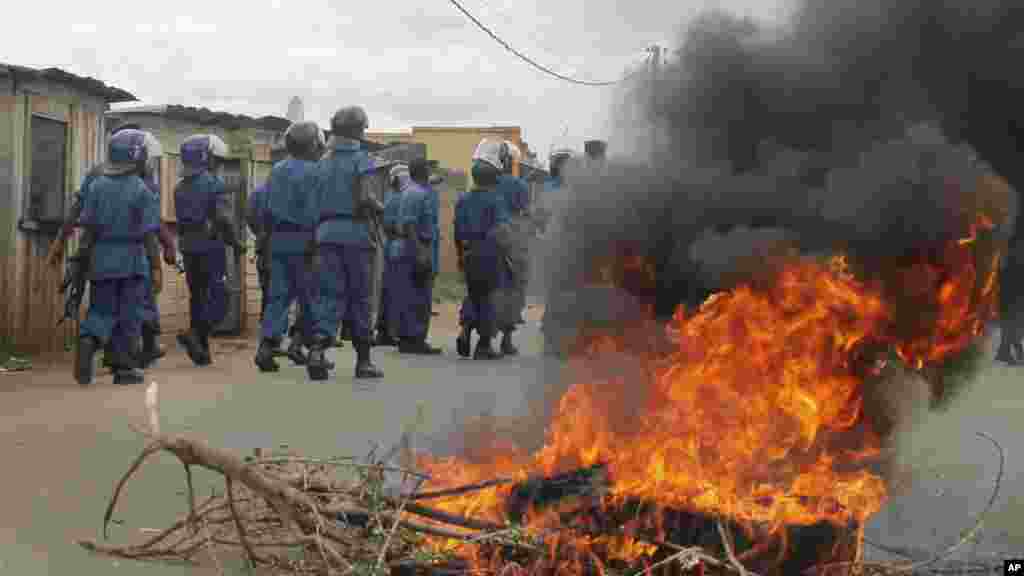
[408, 62]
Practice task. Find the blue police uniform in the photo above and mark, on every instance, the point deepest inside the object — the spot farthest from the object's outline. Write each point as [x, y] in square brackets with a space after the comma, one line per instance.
[467, 318]
[515, 193]
[390, 292]
[345, 242]
[416, 219]
[255, 218]
[150, 310]
[118, 212]
[435, 207]
[290, 212]
[195, 203]
[481, 211]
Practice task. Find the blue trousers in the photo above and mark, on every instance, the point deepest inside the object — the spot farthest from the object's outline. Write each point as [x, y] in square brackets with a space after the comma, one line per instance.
[208, 294]
[150, 311]
[291, 279]
[413, 302]
[389, 304]
[115, 313]
[482, 280]
[345, 275]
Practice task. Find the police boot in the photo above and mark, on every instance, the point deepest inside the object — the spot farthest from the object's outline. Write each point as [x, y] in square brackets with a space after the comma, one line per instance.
[419, 347]
[295, 353]
[507, 348]
[484, 351]
[107, 360]
[126, 370]
[265, 356]
[151, 348]
[193, 347]
[365, 368]
[384, 339]
[87, 346]
[316, 364]
[463, 343]
[346, 332]
[204, 345]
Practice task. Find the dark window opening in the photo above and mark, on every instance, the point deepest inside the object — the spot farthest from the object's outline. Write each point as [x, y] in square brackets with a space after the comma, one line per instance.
[48, 183]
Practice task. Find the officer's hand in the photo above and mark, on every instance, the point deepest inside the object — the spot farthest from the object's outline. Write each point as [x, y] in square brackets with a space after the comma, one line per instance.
[56, 253]
[158, 279]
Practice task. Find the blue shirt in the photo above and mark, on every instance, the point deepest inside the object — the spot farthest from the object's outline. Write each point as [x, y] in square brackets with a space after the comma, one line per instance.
[392, 211]
[119, 211]
[515, 192]
[337, 172]
[292, 205]
[477, 213]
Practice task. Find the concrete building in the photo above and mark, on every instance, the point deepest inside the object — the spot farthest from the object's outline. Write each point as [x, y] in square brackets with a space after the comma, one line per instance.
[51, 134]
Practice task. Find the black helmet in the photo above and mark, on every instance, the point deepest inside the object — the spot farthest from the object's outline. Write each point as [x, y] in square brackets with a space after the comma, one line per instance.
[304, 140]
[350, 121]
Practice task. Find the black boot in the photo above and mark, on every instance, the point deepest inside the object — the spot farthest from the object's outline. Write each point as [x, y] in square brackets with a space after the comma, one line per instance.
[365, 367]
[463, 343]
[107, 360]
[265, 356]
[417, 346]
[151, 348]
[295, 353]
[316, 364]
[346, 332]
[484, 351]
[204, 344]
[126, 366]
[193, 347]
[384, 339]
[507, 348]
[87, 346]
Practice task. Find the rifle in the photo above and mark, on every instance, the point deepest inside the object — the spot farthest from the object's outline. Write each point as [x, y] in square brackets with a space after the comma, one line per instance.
[74, 285]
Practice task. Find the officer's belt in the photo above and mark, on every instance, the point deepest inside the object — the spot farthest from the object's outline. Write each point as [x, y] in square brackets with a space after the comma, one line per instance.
[120, 240]
[335, 216]
[194, 227]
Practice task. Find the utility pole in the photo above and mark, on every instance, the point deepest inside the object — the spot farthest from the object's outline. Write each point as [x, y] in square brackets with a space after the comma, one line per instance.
[655, 52]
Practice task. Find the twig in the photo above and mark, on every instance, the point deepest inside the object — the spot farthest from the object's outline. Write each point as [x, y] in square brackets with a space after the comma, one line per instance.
[728, 549]
[394, 526]
[191, 497]
[459, 490]
[916, 566]
[461, 521]
[688, 557]
[238, 523]
[136, 464]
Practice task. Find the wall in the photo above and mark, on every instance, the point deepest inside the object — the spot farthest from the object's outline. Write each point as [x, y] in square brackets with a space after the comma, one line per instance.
[29, 302]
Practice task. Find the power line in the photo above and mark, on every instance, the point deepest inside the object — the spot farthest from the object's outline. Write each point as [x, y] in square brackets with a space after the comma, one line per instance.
[531, 61]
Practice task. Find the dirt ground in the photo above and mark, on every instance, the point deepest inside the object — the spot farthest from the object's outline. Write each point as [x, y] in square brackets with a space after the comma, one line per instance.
[65, 446]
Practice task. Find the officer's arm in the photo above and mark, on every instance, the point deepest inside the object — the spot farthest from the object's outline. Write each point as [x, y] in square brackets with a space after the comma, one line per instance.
[224, 218]
[252, 212]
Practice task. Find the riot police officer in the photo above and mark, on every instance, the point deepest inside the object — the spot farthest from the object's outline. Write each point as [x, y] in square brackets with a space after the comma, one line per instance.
[415, 272]
[347, 241]
[290, 217]
[151, 349]
[511, 296]
[478, 236]
[390, 301]
[121, 218]
[205, 225]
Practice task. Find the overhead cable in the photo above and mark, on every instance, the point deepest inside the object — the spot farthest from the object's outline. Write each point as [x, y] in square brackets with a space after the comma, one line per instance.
[531, 61]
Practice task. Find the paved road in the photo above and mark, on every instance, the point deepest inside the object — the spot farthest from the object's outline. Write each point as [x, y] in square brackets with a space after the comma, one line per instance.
[64, 447]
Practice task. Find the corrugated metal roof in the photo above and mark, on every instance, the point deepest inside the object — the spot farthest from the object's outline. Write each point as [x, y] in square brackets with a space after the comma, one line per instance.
[110, 94]
[207, 117]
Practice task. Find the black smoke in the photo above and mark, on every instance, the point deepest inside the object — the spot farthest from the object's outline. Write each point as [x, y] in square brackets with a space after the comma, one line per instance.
[859, 126]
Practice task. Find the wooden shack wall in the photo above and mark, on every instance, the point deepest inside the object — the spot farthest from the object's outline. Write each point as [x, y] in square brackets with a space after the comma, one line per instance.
[29, 301]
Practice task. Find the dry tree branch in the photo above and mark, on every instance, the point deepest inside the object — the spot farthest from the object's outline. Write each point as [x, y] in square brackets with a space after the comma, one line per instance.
[238, 523]
[191, 498]
[136, 464]
[726, 542]
[459, 490]
[394, 525]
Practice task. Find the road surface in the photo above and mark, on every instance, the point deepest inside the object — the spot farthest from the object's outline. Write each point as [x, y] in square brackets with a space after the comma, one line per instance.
[65, 446]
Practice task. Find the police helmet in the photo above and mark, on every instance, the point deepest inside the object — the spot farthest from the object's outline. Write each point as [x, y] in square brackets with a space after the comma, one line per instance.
[396, 173]
[304, 140]
[510, 155]
[125, 126]
[489, 152]
[198, 152]
[129, 150]
[419, 170]
[350, 121]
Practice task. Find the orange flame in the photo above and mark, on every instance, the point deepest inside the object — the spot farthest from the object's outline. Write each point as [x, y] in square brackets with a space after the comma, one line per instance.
[755, 414]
